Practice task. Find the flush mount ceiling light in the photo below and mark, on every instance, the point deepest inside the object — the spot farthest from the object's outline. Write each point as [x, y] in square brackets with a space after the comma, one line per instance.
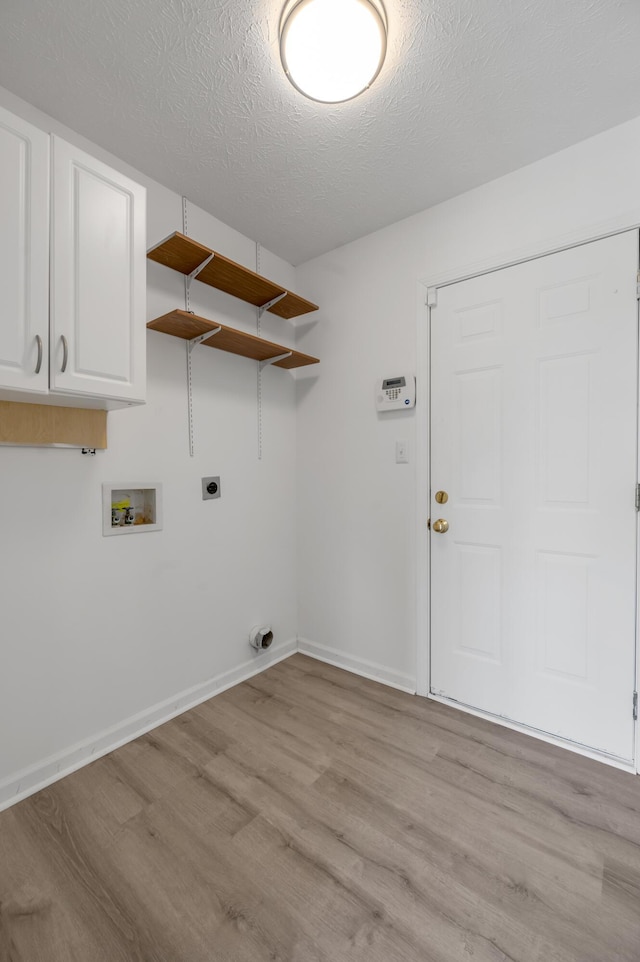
[332, 50]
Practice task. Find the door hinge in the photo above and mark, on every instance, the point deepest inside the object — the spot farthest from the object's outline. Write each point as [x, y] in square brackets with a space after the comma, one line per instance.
[635, 706]
[637, 497]
[638, 285]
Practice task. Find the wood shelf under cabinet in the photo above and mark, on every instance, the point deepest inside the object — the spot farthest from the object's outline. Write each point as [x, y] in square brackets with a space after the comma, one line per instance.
[187, 326]
[184, 255]
[50, 425]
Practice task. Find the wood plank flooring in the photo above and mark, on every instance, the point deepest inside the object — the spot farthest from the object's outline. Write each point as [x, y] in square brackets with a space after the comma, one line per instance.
[309, 815]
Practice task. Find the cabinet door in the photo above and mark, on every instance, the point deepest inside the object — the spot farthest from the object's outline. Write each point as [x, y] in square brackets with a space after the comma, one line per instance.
[98, 277]
[24, 255]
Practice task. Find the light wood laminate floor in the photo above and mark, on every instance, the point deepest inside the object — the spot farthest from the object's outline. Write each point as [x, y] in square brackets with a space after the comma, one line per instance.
[309, 815]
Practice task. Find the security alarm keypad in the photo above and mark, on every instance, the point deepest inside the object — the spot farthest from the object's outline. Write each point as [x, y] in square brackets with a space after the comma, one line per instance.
[396, 393]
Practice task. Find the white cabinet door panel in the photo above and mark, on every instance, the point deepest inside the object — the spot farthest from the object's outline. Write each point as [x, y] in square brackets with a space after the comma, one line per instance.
[98, 279]
[24, 255]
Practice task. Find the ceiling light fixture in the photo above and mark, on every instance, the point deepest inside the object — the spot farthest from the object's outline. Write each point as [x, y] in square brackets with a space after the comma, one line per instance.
[333, 50]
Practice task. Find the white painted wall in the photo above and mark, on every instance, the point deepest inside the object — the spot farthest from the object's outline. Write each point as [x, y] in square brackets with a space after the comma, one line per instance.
[359, 527]
[99, 636]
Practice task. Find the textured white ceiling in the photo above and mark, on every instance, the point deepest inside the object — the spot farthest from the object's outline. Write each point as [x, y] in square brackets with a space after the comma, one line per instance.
[192, 93]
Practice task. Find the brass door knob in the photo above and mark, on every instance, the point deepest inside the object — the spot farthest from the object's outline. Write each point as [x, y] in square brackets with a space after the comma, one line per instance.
[441, 526]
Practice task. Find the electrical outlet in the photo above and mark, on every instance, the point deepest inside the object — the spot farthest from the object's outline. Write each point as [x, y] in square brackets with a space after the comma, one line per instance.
[210, 488]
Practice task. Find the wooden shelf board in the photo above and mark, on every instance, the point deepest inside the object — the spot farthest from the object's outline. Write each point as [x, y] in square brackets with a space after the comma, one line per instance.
[182, 324]
[183, 254]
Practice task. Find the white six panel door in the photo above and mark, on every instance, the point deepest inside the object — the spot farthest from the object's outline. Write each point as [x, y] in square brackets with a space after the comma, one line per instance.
[24, 255]
[98, 322]
[534, 439]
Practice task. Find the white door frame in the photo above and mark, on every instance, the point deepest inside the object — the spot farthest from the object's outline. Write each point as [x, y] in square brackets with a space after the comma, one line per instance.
[427, 289]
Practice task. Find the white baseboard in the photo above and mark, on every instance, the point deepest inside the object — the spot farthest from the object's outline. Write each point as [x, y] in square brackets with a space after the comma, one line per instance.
[30, 780]
[357, 665]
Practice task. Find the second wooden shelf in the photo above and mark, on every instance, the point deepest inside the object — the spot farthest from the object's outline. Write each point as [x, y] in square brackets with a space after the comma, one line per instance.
[187, 326]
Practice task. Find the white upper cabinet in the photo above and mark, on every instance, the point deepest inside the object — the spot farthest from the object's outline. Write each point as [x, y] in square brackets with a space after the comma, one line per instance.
[24, 255]
[72, 274]
[98, 279]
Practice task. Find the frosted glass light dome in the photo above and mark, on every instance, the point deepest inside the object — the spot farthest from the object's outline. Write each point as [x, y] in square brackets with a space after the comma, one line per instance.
[332, 50]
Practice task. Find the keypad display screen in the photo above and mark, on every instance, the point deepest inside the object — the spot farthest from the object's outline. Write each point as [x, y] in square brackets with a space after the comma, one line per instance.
[393, 382]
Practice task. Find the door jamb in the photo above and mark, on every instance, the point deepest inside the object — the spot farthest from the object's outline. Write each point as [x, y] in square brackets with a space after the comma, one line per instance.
[423, 494]
[427, 295]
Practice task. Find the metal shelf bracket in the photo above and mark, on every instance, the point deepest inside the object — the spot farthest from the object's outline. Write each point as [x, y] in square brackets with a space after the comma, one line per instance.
[194, 273]
[274, 300]
[272, 360]
[202, 337]
[190, 346]
[189, 278]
